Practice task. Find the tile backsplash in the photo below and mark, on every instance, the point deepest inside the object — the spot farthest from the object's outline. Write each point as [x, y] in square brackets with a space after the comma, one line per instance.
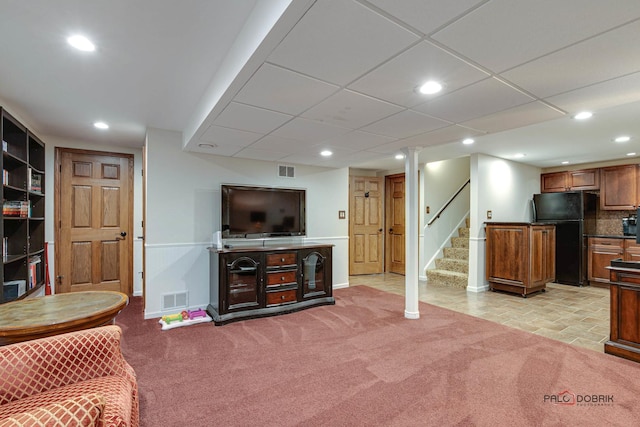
[610, 222]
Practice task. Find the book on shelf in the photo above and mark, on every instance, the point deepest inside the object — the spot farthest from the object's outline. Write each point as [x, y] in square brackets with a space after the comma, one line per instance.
[17, 208]
[5, 177]
[5, 247]
[4, 145]
[35, 270]
[34, 181]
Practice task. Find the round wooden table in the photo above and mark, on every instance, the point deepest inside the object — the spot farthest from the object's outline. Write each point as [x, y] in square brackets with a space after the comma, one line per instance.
[32, 318]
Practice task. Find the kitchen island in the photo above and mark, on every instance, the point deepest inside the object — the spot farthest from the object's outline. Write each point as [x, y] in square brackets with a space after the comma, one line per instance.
[520, 256]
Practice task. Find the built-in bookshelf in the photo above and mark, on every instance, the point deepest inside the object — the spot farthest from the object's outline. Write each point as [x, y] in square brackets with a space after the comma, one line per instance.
[23, 208]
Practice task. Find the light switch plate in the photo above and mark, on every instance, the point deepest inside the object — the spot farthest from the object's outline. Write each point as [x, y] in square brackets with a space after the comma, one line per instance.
[489, 214]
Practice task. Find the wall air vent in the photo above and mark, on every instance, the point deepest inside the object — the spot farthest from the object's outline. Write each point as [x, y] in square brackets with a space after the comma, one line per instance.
[286, 171]
[175, 300]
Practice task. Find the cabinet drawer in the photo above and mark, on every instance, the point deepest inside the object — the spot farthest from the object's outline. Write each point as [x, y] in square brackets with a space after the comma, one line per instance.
[285, 258]
[281, 277]
[281, 297]
[600, 244]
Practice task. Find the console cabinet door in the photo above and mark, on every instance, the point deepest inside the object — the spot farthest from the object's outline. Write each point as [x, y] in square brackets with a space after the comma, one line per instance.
[243, 282]
[315, 265]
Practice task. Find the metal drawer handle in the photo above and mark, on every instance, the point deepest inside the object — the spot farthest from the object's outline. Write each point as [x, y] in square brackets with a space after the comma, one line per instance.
[282, 297]
[281, 259]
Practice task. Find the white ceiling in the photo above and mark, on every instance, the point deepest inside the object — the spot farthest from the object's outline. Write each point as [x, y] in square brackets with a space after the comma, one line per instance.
[279, 80]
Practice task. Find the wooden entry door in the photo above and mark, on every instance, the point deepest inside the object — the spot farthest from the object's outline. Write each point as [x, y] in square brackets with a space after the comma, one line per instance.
[93, 206]
[395, 246]
[366, 252]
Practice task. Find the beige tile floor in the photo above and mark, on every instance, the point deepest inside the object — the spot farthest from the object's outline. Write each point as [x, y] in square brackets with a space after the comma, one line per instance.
[578, 316]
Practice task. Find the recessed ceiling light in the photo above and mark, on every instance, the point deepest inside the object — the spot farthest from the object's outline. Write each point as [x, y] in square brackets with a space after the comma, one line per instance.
[565, 162]
[468, 141]
[583, 115]
[631, 154]
[101, 125]
[518, 155]
[326, 153]
[81, 43]
[399, 156]
[430, 87]
[207, 145]
[623, 138]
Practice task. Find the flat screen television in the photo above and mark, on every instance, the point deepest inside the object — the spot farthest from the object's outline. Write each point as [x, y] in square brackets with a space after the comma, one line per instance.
[256, 212]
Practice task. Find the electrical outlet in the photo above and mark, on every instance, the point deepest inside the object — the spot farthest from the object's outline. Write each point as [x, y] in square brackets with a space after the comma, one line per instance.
[428, 209]
[489, 214]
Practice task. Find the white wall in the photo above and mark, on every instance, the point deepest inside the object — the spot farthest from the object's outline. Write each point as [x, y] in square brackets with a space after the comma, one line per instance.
[183, 211]
[441, 181]
[506, 189]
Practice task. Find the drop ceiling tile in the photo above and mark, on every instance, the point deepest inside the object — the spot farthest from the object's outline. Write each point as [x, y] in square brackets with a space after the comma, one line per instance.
[607, 94]
[285, 91]
[221, 135]
[358, 140]
[276, 143]
[397, 80]
[309, 131]
[502, 34]
[337, 41]
[425, 15]
[524, 115]
[452, 133]
[259, 154]
[477, 100]
[251, 119]
[218, 150]
[351, 110]
[405, 124]
[576, 66]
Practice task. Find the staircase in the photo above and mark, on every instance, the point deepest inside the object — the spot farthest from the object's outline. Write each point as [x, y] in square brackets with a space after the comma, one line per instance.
[452, 269]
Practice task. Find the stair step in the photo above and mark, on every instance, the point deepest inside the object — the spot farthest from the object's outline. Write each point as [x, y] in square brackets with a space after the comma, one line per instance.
[450, 279]
[460, 242]
[463, 232]
[456, 253]
[452, 264]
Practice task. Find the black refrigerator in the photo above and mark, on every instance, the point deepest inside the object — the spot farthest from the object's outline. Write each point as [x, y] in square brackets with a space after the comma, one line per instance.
[574, 215]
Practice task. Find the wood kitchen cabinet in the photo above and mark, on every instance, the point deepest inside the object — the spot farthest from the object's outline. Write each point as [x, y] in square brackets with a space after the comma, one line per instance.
[601, 251]
[520, 257]
[587, 179]
[255, 282]
[619, 187]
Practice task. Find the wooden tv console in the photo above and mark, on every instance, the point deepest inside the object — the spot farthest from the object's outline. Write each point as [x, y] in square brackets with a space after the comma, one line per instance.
[250, 282]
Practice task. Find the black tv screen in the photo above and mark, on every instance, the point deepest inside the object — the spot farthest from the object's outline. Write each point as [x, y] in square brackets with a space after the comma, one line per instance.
[255, 212]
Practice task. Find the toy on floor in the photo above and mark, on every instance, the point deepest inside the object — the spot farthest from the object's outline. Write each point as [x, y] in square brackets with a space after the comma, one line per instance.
[184, 318]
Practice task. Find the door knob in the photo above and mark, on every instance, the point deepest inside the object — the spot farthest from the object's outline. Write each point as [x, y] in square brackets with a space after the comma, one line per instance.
[391, 231]
[123, 234]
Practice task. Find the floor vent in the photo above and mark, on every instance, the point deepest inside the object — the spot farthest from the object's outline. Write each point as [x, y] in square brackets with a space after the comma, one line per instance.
[175, 300]
[286, 171]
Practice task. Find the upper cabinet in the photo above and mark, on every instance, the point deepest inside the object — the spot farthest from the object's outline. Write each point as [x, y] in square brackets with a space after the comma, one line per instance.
[619, 187]
[588, 179]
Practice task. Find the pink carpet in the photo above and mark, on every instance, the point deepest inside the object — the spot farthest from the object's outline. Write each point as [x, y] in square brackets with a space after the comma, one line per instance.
[361, 363]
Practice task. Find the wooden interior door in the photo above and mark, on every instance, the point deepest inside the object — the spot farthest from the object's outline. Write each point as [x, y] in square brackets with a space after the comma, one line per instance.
[395, 224]
[366, 252]
[93, 205]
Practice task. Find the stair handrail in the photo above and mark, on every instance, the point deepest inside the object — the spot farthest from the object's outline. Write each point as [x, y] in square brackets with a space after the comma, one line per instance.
[451, 199]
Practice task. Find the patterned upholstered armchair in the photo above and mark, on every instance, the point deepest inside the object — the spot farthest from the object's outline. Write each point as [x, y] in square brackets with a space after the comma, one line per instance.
[79, 378]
